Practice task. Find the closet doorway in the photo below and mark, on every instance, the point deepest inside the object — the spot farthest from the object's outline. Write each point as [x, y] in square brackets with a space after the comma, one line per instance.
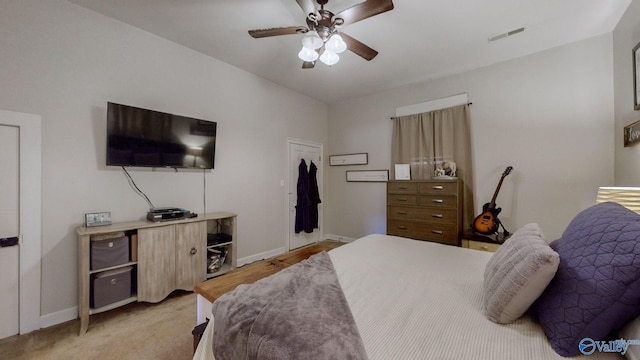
[308, 151]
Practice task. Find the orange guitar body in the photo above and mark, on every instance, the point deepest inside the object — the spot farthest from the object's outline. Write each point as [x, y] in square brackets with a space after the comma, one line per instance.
[487, 223]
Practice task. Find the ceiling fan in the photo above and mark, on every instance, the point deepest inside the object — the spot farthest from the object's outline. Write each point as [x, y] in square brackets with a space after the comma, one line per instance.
[322, 31]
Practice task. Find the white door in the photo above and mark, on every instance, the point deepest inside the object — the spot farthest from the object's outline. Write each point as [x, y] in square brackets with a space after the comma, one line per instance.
[9, 228]
[310, 152]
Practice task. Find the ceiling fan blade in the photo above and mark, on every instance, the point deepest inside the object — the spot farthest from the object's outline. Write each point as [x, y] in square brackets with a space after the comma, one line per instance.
[308, 64]
[364, 10]
[307, 6]
[358, 47]
[289, 30]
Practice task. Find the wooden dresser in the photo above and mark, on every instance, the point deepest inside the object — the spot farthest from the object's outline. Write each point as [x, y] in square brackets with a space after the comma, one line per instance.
[425, 210]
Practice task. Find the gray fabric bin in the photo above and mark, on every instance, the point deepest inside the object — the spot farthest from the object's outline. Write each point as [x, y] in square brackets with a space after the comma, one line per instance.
[110, 286]
[109, 252]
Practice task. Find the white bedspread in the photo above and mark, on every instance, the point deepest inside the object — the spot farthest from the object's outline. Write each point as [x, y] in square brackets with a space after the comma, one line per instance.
[421, 300]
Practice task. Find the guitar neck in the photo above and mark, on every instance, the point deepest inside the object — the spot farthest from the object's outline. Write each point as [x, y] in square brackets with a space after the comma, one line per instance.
[492, 204]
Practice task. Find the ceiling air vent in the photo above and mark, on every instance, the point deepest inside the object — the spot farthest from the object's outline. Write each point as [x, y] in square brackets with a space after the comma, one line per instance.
[504, 35]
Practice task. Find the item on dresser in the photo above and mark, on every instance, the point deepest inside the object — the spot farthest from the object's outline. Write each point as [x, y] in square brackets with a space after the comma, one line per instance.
[488, 223]
[428, 210]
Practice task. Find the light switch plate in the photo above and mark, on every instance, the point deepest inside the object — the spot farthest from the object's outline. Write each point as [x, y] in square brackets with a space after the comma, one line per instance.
[97, 219]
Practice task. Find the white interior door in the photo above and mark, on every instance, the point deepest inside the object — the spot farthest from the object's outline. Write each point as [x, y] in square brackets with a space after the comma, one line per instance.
[21, 160]
[308, 151]
[9, 228]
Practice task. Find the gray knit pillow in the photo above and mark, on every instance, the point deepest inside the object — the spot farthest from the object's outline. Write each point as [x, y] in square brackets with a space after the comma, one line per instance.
[517, 274]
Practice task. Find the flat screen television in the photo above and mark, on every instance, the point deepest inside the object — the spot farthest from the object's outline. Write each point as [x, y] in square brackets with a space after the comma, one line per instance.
[147, 138]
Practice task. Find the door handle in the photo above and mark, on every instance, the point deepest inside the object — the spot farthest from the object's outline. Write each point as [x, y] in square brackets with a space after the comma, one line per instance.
[10, 241]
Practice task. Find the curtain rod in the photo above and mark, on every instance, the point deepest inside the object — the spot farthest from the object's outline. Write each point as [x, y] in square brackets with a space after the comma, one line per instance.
[394, 117]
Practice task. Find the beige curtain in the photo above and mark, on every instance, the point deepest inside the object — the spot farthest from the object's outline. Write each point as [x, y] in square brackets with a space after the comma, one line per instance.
[423, 140]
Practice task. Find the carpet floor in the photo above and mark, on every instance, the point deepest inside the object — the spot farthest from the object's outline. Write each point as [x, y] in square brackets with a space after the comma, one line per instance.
[136, 331]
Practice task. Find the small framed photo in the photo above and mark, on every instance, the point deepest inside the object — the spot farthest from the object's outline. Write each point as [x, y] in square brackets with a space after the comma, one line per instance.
[403, 172]
[636, 77]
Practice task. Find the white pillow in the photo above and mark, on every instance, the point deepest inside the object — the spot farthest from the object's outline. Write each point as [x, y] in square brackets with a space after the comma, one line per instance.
[517, 274]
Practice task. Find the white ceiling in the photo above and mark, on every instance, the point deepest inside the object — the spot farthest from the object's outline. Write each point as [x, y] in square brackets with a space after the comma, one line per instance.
[418, 40]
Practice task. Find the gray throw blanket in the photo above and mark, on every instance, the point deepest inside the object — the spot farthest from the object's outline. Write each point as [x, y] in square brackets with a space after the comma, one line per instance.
[297, 313]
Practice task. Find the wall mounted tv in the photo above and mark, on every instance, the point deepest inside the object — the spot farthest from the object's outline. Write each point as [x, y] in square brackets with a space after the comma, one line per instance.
[147, 138]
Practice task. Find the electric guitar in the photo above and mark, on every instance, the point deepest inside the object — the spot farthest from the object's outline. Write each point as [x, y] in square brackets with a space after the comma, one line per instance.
[487, 223]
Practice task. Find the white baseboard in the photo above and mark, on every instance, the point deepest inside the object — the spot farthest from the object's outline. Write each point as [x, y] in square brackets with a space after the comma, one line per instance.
[58, 317]
[261, 256]
[338, 238]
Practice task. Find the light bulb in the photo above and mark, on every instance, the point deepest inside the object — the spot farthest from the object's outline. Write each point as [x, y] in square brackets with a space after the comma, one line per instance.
[328, 57]
[336, 44]
[312, 40]
[308, 54]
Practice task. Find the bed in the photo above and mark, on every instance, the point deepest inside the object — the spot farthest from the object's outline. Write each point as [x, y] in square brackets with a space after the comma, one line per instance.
[420, 300]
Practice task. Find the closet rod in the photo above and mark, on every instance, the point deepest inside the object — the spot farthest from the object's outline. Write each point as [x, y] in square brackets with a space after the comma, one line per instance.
[394, 117]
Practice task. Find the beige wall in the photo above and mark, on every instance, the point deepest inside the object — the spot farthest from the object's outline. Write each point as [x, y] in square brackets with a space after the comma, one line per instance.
[549, 115]
[626, 36]
[64, 63]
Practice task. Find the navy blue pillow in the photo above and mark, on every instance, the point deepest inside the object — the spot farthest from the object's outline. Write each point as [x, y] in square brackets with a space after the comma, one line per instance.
[596, 289]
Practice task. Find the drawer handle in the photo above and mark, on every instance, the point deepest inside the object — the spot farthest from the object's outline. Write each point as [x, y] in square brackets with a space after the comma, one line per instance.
[402, 188]
[193, 251]
[437, 216]
[439, 201]
[439, 232]
[402, 227]
[402, 199]
[113, 281]
[484, 247]
[402, 213]
[438, 187]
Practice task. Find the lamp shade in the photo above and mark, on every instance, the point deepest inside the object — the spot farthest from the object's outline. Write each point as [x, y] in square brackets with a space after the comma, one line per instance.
[312, 40]
[308, 54]
[336, 44]
[328, 57]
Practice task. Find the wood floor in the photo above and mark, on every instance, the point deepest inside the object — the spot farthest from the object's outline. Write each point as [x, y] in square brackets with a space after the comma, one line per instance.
[214, 288]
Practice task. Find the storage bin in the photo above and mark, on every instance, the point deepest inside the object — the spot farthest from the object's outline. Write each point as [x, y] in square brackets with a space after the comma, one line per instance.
[110, 286]
[109, 252]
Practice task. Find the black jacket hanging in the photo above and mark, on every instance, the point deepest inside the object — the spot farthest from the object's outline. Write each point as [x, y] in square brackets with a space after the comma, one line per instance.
[302, 203]
[308, 198]
[314, 196]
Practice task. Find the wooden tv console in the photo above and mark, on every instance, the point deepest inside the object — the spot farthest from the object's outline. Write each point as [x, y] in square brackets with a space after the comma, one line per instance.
[165, 256]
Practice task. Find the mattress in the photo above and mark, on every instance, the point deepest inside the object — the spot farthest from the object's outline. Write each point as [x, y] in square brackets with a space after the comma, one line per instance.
[420, 300]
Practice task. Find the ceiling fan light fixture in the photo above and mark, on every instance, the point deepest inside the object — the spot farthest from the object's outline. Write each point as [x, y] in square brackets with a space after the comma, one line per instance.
[336, 44]
[312, 40]
[307, 54]
[329, 57]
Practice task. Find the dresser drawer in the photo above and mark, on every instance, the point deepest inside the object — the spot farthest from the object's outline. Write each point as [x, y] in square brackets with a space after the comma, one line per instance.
[398, 199]
[402, 187]
[479, 245]
[439, 201]
[439, 187]
[443, 233]
[427, 214]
